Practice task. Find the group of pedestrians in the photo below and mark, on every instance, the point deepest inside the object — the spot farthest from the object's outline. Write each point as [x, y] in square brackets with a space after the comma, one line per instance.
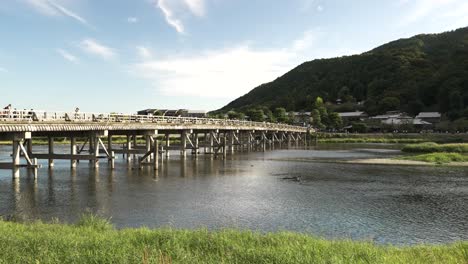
[8, 112]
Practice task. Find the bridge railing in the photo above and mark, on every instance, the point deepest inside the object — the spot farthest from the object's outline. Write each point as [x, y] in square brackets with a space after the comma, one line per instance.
[34, 116]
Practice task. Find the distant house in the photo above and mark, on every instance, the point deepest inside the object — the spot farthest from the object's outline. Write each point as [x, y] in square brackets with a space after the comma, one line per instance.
[301, 118]
[416, 122]
[431, 117]
[348, 117]
[196, 113]
[391, 114]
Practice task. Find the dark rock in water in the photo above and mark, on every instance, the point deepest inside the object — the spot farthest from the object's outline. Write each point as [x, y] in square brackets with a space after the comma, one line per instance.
[294, 178]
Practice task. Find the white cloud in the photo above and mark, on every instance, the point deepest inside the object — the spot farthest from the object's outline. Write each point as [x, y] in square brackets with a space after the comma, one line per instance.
[170, 19]
[173, 9]
[228, 72]
[67, 55]
[197, 7]
[3, 70]
[91, 46]
[144, 52]
[132, 20]
[320, 8]
[43, 6]
[52, 8]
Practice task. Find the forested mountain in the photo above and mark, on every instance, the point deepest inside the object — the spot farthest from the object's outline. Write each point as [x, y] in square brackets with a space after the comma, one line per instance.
[427, 72]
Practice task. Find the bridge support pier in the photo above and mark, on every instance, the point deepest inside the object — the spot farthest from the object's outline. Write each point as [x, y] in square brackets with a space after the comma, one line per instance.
[16, 159]
[51, 151]
[73, 152]
[168, 143]
[183, 144]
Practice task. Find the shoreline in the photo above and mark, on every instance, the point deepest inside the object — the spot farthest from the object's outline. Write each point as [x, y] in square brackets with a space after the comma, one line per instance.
[377, 161]
[390, 161]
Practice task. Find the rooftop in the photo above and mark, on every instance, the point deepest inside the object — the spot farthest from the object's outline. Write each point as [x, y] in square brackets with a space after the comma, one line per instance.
[352, 114]
[429, 115]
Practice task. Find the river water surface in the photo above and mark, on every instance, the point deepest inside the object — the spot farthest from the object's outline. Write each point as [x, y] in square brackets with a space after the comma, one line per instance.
[296, 190]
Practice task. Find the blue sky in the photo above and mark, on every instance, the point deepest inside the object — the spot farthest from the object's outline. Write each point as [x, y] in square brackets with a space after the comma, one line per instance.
[122, 55]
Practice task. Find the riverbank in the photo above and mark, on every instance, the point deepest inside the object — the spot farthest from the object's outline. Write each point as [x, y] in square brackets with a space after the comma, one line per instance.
[94, 240]
[396, 138]
[405, 162]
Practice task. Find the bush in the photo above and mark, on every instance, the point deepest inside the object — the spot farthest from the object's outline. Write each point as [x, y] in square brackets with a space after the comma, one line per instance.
[439, 158]
[431, 147]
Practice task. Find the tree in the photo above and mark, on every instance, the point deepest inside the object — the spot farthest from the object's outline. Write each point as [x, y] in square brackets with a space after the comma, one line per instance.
[359, 127]
[280, 115]
[235, 115]
[389, 104]
[256, 115]
[316, 119]
[335, 120]
[318, 102]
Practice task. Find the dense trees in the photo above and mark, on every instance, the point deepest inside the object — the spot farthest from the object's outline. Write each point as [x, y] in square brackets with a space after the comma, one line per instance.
[423, 73]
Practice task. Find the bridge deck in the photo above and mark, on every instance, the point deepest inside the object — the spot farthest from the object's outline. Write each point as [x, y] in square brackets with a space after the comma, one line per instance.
[35, 121]
[212, 136]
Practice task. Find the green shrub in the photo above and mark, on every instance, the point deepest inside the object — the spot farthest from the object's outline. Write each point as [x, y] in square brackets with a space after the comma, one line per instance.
[434, 147]
[439, 158]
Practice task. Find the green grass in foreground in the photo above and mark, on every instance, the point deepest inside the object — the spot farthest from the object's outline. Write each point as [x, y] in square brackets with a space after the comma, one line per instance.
[93, 240]
[438, 158]
[431, 147]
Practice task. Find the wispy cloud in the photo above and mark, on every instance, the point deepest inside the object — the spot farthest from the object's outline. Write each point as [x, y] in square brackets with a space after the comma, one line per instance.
[228, 72]
[67, 55]
[197, 7]
[4, 70]
[170, 19]
[319, 8]
[132, 20]
[52, 8]
[93, 47]
[144, 52]
[172, 9]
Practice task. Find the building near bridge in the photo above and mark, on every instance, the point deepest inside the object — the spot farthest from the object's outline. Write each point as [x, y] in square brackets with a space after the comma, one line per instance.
[431, 117]
[173, 112]
[349, 117]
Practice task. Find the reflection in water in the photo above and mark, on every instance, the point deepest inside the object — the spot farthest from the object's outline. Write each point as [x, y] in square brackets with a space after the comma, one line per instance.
[387, 204]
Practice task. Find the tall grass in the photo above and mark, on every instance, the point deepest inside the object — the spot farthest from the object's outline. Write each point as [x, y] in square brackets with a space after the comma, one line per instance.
[438, 158]
[389, 138]
[93, 240]
[431, 147]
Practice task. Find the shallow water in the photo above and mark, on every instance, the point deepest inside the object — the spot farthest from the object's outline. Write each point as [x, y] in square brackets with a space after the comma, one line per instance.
[386, 204]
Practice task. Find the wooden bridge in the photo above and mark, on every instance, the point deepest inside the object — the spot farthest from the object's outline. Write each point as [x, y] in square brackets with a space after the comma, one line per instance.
[91, 137]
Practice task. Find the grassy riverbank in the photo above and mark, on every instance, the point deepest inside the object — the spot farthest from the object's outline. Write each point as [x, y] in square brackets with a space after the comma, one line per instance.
[431, 147]
[93, 240]
[390, 138]
[438, 158]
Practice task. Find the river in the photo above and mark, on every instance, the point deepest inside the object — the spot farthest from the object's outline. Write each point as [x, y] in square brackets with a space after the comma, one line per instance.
[294, 190]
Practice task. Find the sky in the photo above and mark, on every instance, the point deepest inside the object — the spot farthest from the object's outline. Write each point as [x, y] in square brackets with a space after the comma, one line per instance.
[128, 55]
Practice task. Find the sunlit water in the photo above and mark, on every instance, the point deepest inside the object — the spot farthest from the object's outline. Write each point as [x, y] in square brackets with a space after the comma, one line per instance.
[385, 204]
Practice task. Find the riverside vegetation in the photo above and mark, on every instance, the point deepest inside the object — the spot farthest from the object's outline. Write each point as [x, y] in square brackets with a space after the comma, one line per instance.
[94, 240]
[389, 138]
[437, 153]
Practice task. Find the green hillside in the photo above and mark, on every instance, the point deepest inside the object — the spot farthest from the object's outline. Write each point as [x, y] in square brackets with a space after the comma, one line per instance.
[422, 73]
